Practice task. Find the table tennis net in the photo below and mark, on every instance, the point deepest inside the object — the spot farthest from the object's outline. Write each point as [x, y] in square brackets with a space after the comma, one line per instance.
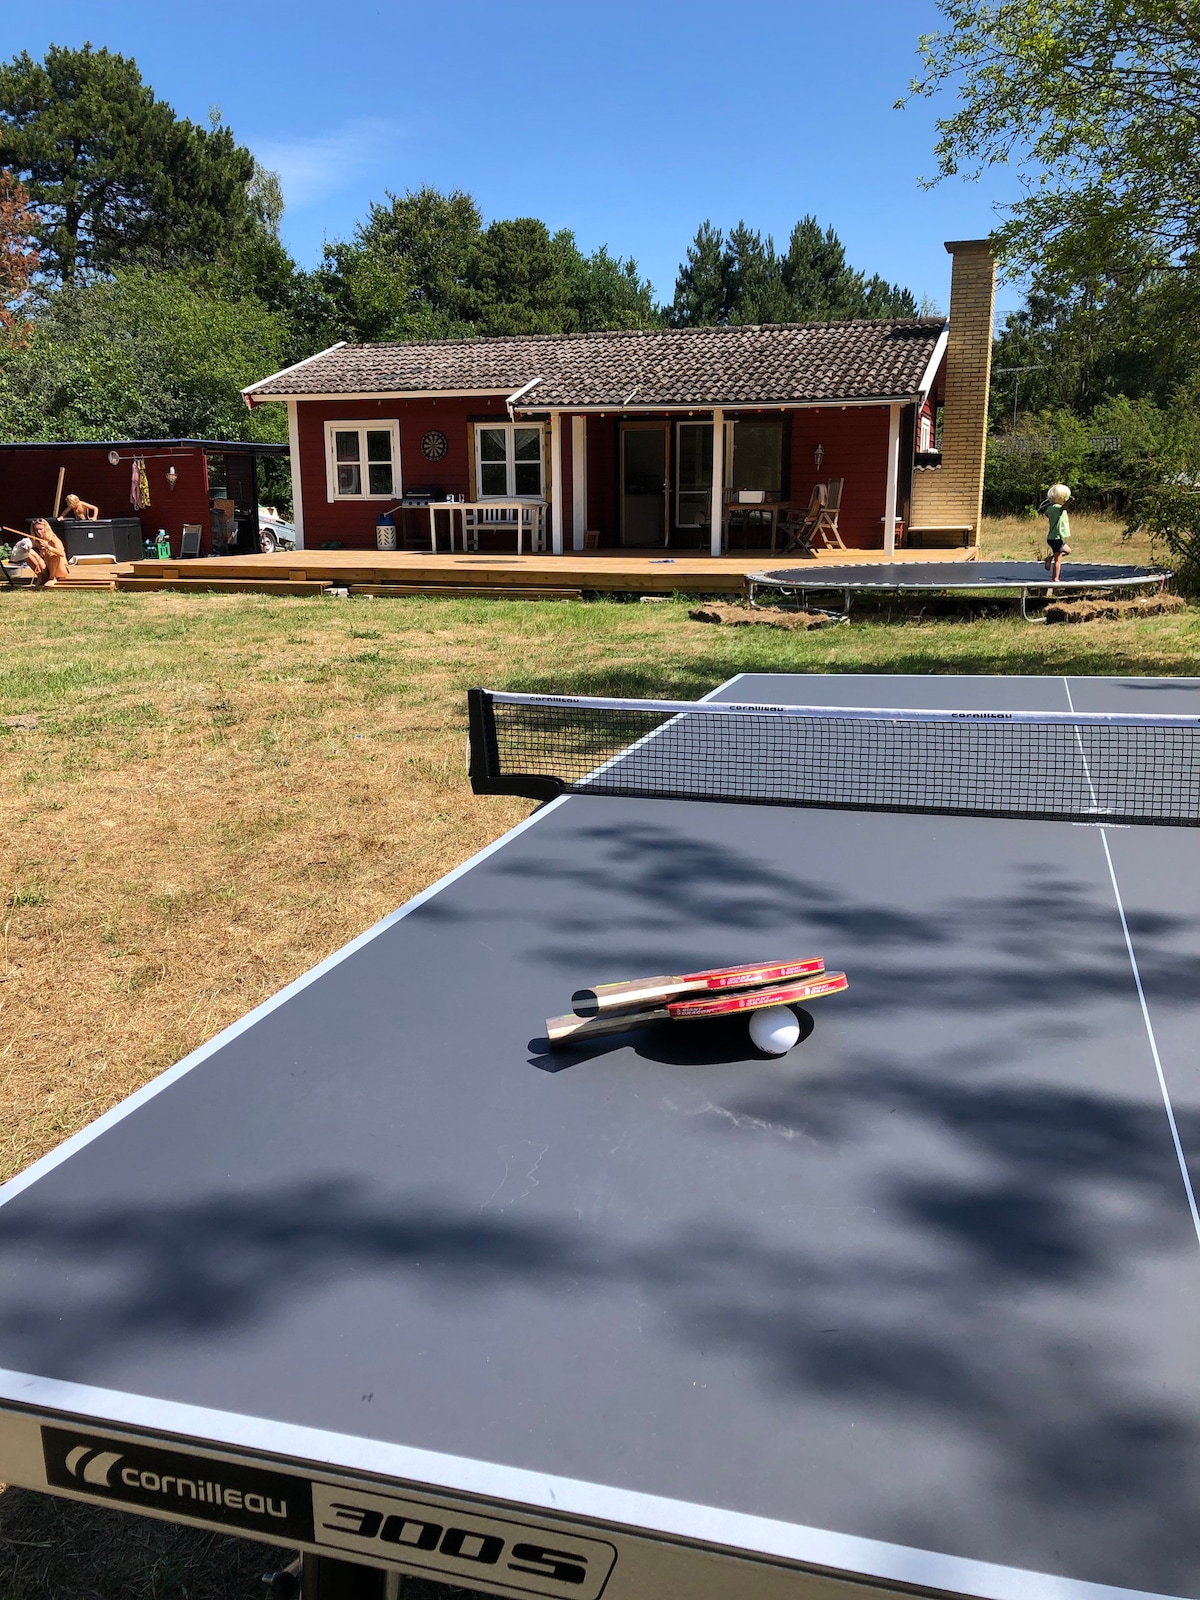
[1068, 767]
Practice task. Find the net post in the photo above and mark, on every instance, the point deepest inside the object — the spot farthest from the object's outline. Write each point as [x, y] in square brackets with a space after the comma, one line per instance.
[483, 767]
[484, 763]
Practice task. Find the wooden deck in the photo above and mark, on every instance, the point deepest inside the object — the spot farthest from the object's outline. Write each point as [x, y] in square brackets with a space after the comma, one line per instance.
[530, 577]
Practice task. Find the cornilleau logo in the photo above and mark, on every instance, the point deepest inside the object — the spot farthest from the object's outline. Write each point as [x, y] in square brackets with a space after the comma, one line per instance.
[92, 1465]
[179, 1484]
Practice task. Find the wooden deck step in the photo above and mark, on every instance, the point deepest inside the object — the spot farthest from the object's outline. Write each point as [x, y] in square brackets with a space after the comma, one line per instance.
[198, 584]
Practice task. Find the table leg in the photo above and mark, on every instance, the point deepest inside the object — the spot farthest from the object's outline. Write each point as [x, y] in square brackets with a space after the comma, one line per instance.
[324, 1578]
[432, 531]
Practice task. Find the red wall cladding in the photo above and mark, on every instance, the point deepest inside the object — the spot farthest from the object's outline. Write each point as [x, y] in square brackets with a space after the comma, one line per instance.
[855, 444]
[602, 435]
[854, 441]
[28, 479]
[352, 523]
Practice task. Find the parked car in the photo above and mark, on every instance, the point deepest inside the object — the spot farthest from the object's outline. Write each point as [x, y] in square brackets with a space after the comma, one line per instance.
[273, 532]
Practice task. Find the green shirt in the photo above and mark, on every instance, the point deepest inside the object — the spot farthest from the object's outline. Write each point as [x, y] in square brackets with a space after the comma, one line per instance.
[1060, 523]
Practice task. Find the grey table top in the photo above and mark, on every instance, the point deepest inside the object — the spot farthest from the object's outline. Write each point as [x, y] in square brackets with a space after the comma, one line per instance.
[930, 1283]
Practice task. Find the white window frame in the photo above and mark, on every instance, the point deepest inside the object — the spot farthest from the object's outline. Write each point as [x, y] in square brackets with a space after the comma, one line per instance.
[509, 429]
[376, 425]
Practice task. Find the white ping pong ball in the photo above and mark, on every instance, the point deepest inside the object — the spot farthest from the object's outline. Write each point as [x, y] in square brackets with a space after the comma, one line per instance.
[774, 1029]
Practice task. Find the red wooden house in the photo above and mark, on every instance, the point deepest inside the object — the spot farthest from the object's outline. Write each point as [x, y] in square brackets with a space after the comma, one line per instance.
[644, 438]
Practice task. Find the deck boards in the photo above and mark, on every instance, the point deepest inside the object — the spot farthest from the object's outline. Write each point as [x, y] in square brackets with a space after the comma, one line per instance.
[415, 572]
[534, 577]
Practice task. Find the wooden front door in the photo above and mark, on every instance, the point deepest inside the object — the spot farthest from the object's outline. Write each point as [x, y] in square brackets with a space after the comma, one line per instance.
[645, 496]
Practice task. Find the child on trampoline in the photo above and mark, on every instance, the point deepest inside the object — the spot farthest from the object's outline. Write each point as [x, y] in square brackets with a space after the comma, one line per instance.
[1054, 507]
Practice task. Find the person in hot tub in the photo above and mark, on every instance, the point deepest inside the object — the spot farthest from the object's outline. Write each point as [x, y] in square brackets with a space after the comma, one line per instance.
[80, 510]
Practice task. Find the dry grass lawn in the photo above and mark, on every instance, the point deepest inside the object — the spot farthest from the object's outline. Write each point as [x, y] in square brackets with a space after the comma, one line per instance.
[204, 795]
[1093, 538]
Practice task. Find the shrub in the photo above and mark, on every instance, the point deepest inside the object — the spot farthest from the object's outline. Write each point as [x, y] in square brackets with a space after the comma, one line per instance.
[1172, 513]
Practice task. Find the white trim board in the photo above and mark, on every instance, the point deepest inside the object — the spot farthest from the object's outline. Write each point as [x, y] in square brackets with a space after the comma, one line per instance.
[700, 408]
[935, 361]
[295, 367]
[334, 396]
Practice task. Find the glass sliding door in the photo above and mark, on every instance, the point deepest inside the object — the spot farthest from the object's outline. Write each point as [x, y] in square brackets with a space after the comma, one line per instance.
[693, 475]
[644, 483]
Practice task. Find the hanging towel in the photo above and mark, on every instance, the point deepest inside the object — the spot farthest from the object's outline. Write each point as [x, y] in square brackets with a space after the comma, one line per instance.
[143, 485]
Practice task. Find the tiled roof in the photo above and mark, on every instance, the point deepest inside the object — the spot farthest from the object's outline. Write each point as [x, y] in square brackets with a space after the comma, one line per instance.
[773, 363]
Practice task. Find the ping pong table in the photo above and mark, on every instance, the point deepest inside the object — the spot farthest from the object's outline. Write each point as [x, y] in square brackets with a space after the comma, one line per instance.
[377, 1276]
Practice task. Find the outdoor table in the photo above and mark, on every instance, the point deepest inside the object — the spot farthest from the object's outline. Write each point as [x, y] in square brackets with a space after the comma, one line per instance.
[518, 507]
[773, 509]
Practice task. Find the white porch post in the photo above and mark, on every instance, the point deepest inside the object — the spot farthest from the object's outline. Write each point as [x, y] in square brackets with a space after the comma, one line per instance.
[718, 481]
[556, 494]
[578, 481]
[893, 473]
[297, 495]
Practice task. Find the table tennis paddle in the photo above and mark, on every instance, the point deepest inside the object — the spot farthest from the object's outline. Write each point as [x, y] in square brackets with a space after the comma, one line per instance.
[642, 992]
[572, 1029]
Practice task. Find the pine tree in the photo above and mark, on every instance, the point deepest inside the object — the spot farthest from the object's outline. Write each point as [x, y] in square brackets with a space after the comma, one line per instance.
[114, 176]
[743, 279]
[701, 288]
[755, 291]
[518, 281]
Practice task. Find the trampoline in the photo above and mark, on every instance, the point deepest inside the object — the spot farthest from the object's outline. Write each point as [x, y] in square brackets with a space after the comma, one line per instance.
[940, 577]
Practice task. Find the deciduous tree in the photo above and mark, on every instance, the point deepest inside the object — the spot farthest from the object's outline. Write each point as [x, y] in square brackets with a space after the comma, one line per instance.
[1096, 104]
[18, 256]
[141, 356]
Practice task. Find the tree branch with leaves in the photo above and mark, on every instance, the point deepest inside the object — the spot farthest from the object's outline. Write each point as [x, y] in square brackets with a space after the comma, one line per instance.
[18, 257]
[1097, 104]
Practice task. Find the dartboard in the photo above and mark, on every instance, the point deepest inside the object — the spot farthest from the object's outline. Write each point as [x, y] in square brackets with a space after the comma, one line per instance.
[434, 445]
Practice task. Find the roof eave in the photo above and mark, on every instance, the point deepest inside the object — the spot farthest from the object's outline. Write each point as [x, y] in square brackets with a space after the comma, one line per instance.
[905, 398]
[248, 393]
[935, 361]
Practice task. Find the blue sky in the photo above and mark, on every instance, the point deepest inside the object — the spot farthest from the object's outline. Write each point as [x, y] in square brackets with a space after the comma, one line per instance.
[629, 123]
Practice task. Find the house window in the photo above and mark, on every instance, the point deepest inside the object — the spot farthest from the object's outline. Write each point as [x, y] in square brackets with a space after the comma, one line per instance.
[925, 433]
[758, 455]
[362, 460]
[508, 461]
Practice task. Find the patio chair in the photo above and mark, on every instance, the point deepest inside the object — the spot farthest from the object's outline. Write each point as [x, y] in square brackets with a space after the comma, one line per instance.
[798, 526]
[825, 527]
[189, 544]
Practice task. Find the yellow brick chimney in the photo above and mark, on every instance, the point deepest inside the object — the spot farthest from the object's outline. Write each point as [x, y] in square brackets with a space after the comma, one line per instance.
[950, 497]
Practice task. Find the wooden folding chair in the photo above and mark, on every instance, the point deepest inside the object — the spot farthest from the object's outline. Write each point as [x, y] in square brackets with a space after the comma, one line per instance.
[825, 527]
[798, 526]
